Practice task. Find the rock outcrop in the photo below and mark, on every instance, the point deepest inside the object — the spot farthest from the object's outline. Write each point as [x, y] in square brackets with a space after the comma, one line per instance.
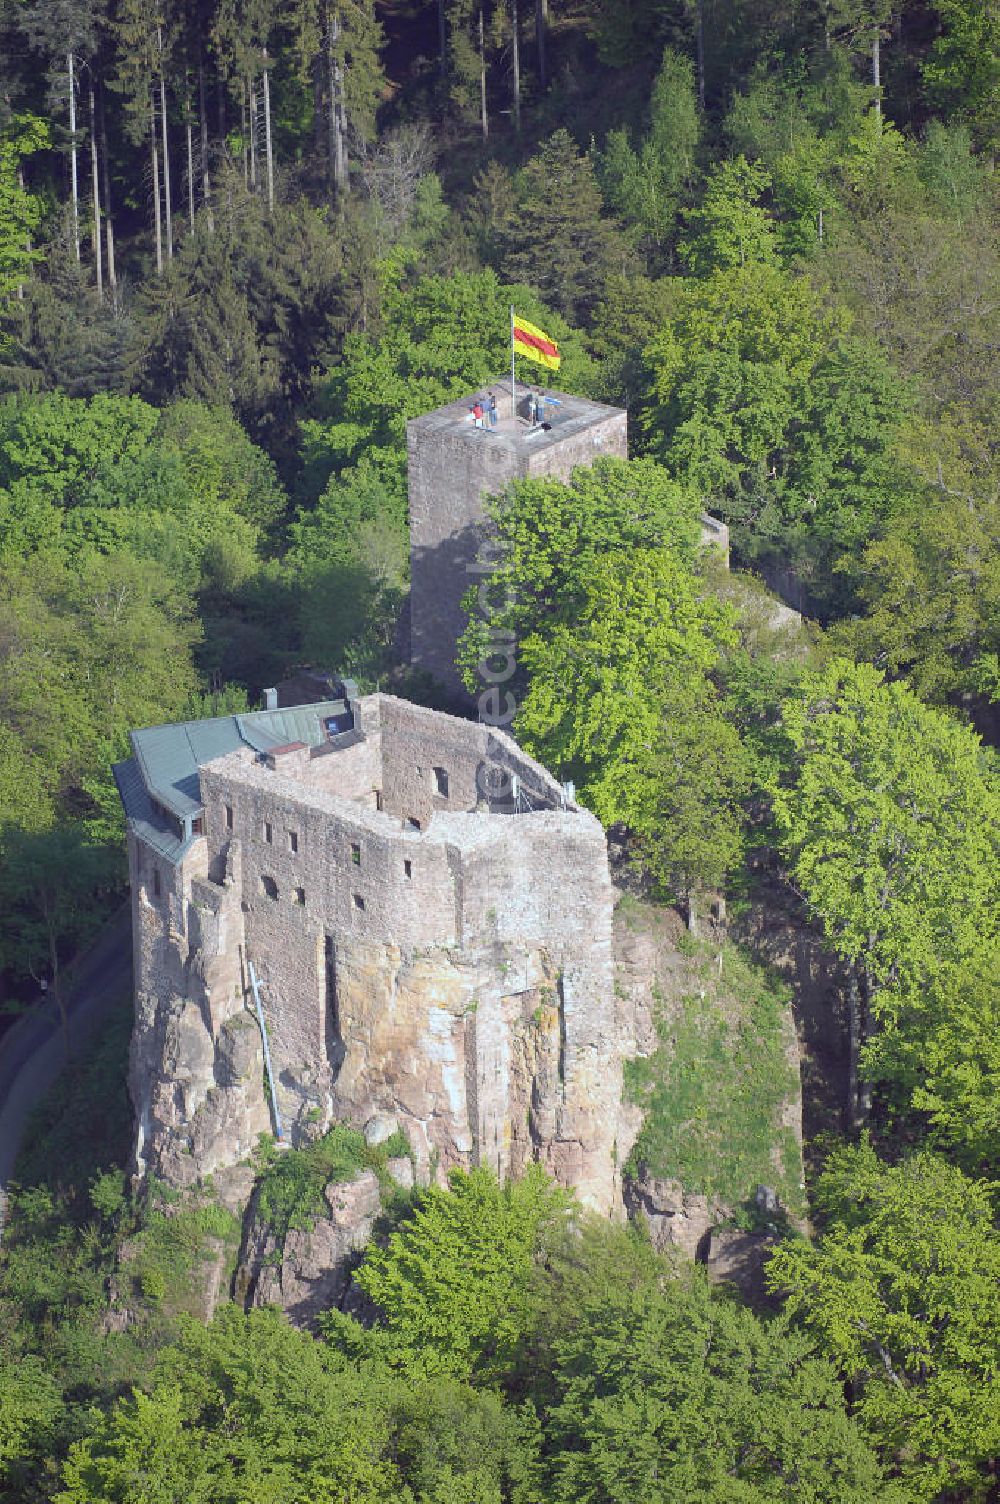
[311, 1271]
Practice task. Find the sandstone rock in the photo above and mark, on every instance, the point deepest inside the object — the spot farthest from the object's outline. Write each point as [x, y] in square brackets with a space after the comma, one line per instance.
[380, 1127]
[740, 1258]
[312, 1273]
[674, 1218]
[400, 1167]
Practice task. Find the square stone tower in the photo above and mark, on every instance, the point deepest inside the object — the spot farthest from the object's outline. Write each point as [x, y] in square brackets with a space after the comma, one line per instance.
[453, 466]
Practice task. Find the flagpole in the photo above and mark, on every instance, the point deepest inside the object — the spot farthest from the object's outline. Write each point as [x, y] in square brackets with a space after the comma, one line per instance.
[513, 378]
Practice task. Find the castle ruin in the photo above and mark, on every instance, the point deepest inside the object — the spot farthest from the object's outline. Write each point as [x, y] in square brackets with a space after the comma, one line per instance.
[429, 915]
[428, 912]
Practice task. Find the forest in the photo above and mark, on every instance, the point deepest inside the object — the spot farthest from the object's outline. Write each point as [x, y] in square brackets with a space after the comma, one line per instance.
[240, 245]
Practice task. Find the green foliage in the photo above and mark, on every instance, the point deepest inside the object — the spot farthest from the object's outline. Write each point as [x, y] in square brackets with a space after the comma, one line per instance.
[903, 1291]
[700, 773]
[299, 1430]
[714, 1091]
[930, 584]
[731, 228]
[596, 581]
[664, 1394]
[786, 423]
[171, 1244]
[644, 186]
[962, 69]
[20, 210]
[556, 239]
[452, 1282]
[290, 1190]
[894, 811]
[347, 566]
[29, 1405]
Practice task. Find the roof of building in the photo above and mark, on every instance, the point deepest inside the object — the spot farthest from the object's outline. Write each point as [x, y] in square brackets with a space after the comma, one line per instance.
[159, 784]
[563, 415]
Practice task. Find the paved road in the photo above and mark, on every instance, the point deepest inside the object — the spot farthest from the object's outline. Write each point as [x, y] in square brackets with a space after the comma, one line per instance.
[33, 1052]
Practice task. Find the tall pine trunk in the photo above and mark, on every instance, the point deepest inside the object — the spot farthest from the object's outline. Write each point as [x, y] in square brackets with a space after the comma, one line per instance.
[167, 224]
[252, 96]
[96, 191]
[106, 184]
[156, 186]
[27, 238]
[442, 38]
[74, 179]
[516, 63]
[484, 113]
[206, 184]
[268, 153]
[541, 28]
[189, 134]
[877, 71]
[699, 40]
[338, 144]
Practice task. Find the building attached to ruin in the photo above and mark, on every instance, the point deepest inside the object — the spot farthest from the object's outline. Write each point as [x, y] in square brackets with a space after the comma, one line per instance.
[428, 913]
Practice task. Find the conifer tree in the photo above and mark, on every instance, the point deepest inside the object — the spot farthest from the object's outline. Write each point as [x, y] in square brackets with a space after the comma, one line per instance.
[559, 241]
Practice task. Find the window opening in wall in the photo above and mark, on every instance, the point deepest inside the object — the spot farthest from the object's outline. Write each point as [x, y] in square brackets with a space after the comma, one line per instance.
[300, 897]
[229, 817]
[268, 832]
[355, 854]
[335, 1050]
[156, 882]
[197, 826]
[269, 886]
[413, 823]
[441, 782]
[378, 798]
[407, 869]
[293, 840]
[359, 902]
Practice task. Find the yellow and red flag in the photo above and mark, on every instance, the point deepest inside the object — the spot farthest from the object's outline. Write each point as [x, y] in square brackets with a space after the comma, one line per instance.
[534, 343]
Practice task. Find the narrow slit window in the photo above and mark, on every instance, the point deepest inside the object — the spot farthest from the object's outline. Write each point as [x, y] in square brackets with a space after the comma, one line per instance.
[441, 782]
[229, 817]
[359, 902]
[197, 826]
[268, 832]
[293, 840]
[300, 897]
[269, 886]
[407, 869]
[355, 854]
[378, 798]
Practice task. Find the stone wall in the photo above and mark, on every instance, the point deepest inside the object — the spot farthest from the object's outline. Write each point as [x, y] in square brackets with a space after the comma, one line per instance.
[457, 977]
[451, 468]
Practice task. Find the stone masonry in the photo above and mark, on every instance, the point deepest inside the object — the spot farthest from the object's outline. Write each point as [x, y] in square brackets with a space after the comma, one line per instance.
[429, 915]
[452, 467]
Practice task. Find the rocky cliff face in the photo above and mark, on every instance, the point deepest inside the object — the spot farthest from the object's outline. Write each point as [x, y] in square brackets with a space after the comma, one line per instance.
[311, 1272]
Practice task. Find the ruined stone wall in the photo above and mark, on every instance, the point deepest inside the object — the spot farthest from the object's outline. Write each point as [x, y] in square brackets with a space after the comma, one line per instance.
[451, 468]
[456, 979]
[353, 772]
[195, 1064]
[604, 436]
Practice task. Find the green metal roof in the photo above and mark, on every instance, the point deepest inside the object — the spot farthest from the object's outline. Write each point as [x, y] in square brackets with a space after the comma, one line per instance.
[165, 766]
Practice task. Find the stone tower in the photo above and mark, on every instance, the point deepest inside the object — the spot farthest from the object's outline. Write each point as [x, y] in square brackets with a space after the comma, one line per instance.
[452, 467]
